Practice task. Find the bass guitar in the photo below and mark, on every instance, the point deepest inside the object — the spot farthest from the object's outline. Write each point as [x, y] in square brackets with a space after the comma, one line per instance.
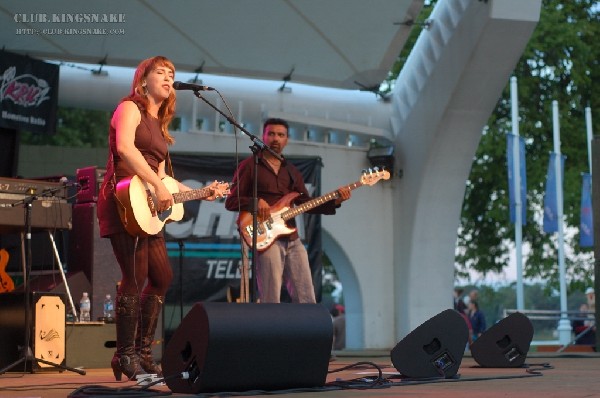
[6, 282]
[271, 229]
[136, 203]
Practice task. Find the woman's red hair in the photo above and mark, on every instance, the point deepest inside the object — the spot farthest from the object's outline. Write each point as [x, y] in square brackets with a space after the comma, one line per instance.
[166, 111]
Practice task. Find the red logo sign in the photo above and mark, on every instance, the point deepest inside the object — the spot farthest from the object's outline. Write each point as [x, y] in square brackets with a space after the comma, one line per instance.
[25, 90]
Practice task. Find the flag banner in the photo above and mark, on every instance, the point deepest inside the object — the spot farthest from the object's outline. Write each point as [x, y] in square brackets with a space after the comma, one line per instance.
[511, 184]
[28, 93]
[550, 202]
[586, 226]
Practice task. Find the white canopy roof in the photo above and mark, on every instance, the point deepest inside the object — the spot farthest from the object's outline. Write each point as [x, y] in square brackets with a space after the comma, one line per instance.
[335, 43]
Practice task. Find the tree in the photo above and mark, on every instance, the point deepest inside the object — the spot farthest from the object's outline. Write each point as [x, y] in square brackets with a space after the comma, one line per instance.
[560, 63]
[81, 128]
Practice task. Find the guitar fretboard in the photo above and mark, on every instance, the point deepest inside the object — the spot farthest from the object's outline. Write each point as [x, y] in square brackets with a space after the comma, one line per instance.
[311, 204]
[199, 193]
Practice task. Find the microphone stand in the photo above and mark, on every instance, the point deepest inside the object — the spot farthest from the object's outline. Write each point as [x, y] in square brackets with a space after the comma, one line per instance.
[27, 354]
[258, 145]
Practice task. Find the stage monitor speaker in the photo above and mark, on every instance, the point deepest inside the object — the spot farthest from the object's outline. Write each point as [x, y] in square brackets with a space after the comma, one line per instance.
[241, 347]
[433, 349]
[504, 345]
[48, 340]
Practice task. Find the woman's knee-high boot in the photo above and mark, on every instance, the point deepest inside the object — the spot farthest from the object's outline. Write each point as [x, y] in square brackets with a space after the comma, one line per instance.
[126, 359]
[150, 310]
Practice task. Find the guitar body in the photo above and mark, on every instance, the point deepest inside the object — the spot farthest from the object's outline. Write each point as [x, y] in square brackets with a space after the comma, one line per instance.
[270, 230]
[6, 282]
[136, 203]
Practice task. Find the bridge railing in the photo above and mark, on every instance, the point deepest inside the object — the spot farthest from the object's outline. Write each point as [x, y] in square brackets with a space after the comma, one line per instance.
[546, 321]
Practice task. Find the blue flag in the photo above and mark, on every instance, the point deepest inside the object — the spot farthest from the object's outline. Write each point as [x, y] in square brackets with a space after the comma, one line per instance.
[586, 226]
[523, 186]
[550, 203]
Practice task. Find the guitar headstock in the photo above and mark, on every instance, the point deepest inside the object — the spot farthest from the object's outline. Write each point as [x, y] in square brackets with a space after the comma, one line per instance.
[219, 189]
[373, 175]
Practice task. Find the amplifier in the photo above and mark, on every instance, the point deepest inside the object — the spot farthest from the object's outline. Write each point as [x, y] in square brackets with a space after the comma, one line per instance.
[46, 213]
[39, 188]
[89, 179]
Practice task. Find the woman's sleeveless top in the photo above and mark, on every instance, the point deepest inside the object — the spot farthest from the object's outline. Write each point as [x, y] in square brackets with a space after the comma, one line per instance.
[151, 143]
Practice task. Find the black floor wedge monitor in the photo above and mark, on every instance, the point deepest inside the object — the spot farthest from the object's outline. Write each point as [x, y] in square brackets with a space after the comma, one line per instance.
[505, 344]
[434, 349]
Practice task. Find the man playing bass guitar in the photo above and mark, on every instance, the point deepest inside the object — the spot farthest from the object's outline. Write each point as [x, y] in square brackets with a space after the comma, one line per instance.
[283, 260]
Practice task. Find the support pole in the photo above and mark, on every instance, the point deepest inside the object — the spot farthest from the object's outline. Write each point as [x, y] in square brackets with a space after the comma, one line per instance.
[564, 326]
[517, 191]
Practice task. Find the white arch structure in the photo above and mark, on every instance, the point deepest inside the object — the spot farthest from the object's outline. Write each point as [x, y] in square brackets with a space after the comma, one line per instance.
[393, 244]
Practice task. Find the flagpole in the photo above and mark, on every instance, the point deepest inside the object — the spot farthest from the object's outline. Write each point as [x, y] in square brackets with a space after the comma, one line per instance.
[517, 189]
[588, 125]
[564, 326]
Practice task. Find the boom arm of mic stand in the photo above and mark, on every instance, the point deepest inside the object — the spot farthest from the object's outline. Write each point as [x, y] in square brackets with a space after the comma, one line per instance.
[258, 146]
[257, 141]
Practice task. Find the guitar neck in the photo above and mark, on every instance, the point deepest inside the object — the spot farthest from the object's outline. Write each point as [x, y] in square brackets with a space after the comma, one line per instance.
[193, 194]
[311, 204]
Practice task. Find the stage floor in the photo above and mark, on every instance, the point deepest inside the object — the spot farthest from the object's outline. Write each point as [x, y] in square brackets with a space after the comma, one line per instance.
[554, 375]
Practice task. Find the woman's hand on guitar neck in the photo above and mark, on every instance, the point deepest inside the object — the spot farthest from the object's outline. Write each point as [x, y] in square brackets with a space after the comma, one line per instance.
[219, 190]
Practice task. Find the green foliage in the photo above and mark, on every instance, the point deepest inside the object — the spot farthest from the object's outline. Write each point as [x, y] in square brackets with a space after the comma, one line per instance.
[80, 128]
[560, 63]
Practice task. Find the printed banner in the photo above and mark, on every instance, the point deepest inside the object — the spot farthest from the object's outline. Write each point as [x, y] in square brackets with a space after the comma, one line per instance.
[204, 247]
[28, 93]
[586, 226]
[511, 184]
[550, 200]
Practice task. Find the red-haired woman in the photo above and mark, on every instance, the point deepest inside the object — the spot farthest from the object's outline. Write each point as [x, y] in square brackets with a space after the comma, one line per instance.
[138, 141]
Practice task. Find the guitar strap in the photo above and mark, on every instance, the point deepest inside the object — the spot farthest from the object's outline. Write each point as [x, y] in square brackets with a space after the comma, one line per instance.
[170, 164]
[114, 178]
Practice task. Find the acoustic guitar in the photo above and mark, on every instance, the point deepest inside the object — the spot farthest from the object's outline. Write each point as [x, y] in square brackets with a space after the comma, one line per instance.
[136, 203]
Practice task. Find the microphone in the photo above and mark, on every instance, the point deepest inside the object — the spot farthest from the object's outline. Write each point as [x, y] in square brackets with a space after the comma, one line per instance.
[191, 86]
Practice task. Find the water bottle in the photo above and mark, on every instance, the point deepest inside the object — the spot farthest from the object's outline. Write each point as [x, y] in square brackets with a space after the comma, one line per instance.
[84, 308]
[108, 308]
